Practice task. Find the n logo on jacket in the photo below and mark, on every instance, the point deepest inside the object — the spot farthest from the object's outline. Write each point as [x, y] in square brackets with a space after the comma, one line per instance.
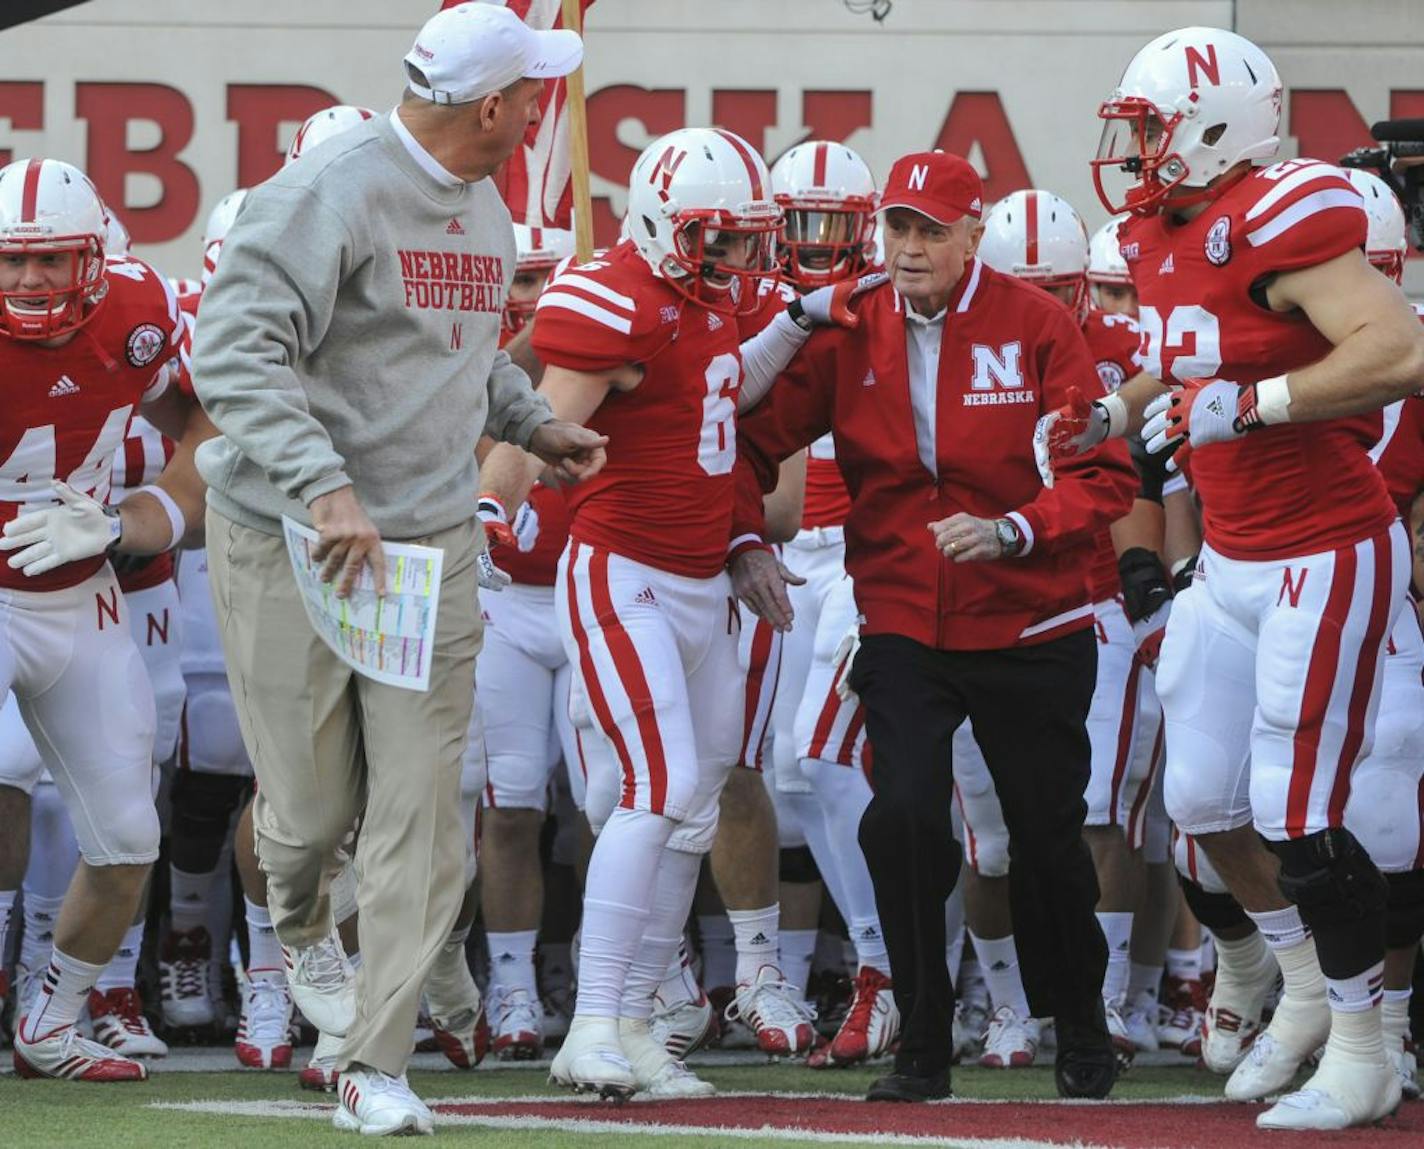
[998, 375]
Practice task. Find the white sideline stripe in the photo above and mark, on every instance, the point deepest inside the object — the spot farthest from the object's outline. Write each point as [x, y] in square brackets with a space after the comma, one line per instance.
[593, 287]
[556, 298]
[1301, 209]
[1287, 184]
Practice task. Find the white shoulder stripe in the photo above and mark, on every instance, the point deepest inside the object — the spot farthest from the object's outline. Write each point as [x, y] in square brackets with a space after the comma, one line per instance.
[1315, 202]
[968, 297]
[1288, 184]
[577, 303]
[593, 287]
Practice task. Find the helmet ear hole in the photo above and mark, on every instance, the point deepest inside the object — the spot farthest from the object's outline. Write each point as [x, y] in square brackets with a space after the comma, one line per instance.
[649, 226]
[1213, 133]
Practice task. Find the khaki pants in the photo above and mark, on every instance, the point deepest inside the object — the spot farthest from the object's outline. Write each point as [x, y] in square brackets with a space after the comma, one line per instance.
[329, 745]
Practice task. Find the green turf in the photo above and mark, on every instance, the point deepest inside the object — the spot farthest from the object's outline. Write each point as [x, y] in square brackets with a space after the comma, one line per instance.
[39, 1114]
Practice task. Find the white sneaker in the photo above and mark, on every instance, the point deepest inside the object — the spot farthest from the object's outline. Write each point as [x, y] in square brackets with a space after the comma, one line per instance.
[1406, 1068]
[592, 1060]
[516, 1024]
[1122, 1042]
[183, 960]
[1343, 1092]
[322, 984]
[1273, 1060]
[379, 1105]
[320, 1072]
[657, 1072]
[119, 1022]
[264, 1036]
[64, 1054]
[683, 1027]
[1141, 1020]
[1011, 1041]
[971, 1019]
[777, 1013]
[1233, 1017]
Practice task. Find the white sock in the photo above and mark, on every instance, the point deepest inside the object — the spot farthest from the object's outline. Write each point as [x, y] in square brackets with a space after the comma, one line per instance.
[973, 989]
[189, 904]
[719, 950]
[999, 961]
[1117, 929]
[1290, 942]
[1185, 965]
[1364, 991]
[37, 944]
[7, 908]
[1242, 959]
[1143, 981]
[264, 951]
[679, 985]
[662, 937]
[1356, 1034]
[757, 940]
[67, 983]
[869, 944]
[123, 966]
[1394, 1016]
[511, 958]
[798, 947]
[618, 896]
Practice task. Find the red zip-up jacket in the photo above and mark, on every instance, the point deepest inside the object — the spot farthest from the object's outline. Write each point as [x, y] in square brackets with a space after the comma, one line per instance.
[1009, 354]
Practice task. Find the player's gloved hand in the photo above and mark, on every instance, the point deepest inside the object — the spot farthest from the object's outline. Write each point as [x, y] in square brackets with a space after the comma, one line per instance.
[1147, 634]
[1200, 412]
[843, 660]
[76, 529]
[489, 576]
[832, 306]
[495, 521]
[1076, 427]
[526, 527]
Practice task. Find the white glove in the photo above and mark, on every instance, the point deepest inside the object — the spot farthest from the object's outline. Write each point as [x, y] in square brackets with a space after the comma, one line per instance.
[526, 527]
[490, 576]
[76, 529]
[843, 660]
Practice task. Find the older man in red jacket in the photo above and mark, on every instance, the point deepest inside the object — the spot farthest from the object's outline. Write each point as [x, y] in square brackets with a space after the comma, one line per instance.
[971, 579]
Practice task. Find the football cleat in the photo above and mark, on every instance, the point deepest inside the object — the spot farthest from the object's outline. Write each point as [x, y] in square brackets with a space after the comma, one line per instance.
[592, 1060]
[62, 1053]
[1121, 1039]
[1277, 1054]
[322, 984]
[516, 1024]
[871, 1024]
[320, 1073]
[684, 1027]
[783, 1021]
[463, 1036]
[379, 1105]
[1140, 1018]
[264, 1037]
[1343, 1092]
[971, 1020]
[656, 1071]
[1010, 1041]
[119, 1022]
[183, 961]
[1233, 1018]
[1179, 1016]
[1406, 1068]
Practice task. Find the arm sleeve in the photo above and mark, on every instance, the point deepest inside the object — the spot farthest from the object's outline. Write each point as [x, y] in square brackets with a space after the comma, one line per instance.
[766, 355]
[272, 297]
[515, 408]
[1093, 489]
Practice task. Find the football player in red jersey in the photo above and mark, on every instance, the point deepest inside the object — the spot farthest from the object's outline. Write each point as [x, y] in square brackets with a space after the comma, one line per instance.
[1256, 300]
[85, 342]
[646, 343]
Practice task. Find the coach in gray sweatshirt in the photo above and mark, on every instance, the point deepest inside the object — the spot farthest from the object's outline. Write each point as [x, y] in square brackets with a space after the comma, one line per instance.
[348, 355]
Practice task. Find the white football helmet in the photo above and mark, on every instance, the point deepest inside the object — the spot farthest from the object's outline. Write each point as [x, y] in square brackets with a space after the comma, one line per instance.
[827, 193]
[49, 207]
[538, 251]
[1105, 262]
[700, 212]
[323, 125]
[117, 240]
[1192, 105]
[1385, 244]
[1037, 236]
[216, 229]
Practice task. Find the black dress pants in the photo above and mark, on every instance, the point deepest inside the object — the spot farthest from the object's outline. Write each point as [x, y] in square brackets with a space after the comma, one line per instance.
[1029, 707]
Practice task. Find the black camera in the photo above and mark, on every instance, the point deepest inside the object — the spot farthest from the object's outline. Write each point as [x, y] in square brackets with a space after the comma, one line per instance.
[1402, 140]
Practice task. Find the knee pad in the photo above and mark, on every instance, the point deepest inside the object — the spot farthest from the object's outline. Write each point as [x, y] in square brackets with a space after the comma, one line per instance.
[203, 804]
[1404, 915]
[797, 865]
[1216, 912]
[1331, 878]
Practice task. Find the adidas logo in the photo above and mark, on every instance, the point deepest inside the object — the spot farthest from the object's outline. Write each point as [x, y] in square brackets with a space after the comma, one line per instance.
[65, 386]
[869, 380]
[454, 228]
[645, 597]
[1216, 407]
[759, 940]
[975, 205]
[869, 933]
[998, 966]
[1167, 266]
[714, 322]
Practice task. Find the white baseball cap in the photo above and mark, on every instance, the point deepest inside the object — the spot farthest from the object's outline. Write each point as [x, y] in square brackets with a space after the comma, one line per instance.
[474, 50]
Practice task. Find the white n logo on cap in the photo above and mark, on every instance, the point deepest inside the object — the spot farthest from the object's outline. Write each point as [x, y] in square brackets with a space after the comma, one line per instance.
[918, 174]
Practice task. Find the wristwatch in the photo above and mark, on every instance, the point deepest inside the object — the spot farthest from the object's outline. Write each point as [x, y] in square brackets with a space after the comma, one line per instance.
[1010, 537]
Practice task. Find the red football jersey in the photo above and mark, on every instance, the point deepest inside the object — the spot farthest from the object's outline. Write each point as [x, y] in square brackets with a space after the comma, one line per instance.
[1112, 342]
[1287, 490]
[68, 408]
[665, 496]
[1399, 453]
[539, 567]
[137, 463]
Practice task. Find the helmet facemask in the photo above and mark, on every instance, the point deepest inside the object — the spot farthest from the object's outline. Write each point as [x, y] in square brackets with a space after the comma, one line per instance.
[718, 258]
[826, 242]
[50, 312]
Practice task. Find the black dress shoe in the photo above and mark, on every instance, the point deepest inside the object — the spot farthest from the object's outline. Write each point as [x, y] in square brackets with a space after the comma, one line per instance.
[1085, 1072]
[911, 1087]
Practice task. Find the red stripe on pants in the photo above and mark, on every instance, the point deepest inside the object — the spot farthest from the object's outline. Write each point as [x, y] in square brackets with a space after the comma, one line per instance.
[829, 709]
[631, 676]
[1319, 685]
[1124, 739]
[756, 675]
[852, 736]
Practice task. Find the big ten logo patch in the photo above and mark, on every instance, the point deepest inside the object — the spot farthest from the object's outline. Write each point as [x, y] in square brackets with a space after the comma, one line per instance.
[452, 281]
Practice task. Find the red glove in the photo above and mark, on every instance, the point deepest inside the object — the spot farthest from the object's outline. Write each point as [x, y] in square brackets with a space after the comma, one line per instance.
[1076, 427]
[498, 532]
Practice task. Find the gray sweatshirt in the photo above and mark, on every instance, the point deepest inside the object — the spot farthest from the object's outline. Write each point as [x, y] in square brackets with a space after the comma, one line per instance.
[349, 335]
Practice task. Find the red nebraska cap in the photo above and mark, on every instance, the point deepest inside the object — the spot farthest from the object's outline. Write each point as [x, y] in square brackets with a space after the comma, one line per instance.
[942, 186]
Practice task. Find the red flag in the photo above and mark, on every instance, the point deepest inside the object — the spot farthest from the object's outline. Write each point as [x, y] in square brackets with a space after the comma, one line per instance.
[536, 182]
